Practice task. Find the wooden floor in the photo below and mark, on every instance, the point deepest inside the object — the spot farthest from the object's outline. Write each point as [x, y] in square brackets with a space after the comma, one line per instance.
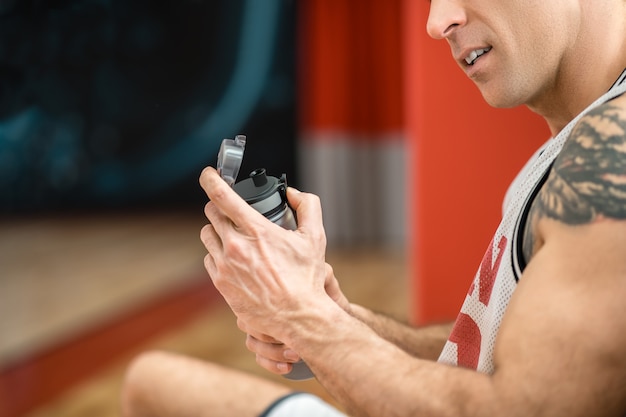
[62, 276]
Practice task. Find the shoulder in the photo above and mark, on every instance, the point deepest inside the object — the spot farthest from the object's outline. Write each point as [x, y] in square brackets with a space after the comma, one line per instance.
[587, 182]
[602, 129]
[588, 179]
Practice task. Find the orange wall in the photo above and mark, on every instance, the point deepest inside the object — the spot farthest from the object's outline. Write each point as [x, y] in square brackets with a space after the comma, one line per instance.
[463, 156]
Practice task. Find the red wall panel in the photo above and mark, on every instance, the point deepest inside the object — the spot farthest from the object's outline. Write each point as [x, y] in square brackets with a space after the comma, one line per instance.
[350, 66]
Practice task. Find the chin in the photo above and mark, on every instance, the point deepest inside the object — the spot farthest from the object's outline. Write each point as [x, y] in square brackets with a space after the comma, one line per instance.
[500, 99]
[505, 92]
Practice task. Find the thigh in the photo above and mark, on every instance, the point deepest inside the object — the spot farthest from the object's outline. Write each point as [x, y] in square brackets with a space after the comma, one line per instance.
[159, 383]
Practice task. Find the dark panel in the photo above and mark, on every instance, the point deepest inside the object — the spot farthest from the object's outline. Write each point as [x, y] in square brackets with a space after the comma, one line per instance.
[113, 103]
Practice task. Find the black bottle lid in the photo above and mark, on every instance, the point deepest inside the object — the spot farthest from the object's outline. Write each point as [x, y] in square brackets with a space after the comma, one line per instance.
[265, 193]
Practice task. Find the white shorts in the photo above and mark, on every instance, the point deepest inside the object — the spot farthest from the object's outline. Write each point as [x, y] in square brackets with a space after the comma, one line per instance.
[301, 404]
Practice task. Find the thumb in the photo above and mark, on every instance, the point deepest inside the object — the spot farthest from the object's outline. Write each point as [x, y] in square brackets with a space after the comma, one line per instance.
[308, 209]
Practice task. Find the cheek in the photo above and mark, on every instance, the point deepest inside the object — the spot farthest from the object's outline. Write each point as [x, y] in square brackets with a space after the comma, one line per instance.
[528, 63]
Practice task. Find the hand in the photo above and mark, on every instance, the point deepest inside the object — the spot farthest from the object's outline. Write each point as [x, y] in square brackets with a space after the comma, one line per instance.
[274, 355]
[270, 353]
[267, 275]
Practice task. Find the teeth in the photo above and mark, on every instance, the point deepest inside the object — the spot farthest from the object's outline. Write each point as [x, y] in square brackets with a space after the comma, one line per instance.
[471, 58]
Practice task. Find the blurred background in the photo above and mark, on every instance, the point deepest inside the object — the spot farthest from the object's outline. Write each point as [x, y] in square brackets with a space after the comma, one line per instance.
[113, 104]
[109, 110]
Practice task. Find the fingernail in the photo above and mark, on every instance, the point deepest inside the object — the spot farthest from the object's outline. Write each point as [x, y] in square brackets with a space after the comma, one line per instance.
[282, 367]
[291, 355]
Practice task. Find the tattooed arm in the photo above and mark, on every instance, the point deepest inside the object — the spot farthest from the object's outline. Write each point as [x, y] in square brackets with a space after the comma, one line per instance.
[575, 284]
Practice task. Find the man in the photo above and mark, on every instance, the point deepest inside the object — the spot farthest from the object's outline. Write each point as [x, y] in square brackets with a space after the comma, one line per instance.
[545, 336]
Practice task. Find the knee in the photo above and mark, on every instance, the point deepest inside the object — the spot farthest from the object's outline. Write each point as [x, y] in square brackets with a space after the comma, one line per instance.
[136, 387]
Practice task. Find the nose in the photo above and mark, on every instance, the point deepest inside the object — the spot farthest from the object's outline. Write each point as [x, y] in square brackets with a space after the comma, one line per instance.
[444, 17]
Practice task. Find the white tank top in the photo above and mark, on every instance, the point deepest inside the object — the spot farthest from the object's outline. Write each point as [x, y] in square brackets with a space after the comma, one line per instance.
[472, 340]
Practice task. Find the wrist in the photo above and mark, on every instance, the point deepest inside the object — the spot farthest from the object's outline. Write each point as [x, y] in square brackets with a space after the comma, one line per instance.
[312, 326]
[359, 312]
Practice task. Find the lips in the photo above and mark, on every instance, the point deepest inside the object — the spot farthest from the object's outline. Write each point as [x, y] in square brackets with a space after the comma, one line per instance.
[475, 54]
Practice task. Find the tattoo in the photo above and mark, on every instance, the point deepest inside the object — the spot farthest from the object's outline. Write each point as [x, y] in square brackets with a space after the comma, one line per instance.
[588, 180]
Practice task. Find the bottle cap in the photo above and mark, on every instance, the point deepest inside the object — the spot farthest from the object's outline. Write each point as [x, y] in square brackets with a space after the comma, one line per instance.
[265, 193]
[229, 158]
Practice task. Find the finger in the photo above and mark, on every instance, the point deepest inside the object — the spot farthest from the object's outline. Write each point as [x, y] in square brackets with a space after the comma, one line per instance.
[308, 211]
[214, 247]
[259, 336]
[271, 351]
[210, 239]
[242, 325]
[226, 199]
[280, 368]
[217, 218]
[209, 265]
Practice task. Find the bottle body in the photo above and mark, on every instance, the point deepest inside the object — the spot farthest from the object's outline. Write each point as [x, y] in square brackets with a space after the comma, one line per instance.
[285, 219]
[268, 195]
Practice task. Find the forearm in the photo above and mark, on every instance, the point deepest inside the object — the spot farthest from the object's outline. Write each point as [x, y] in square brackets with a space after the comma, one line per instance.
[422, 342]
[373, 377]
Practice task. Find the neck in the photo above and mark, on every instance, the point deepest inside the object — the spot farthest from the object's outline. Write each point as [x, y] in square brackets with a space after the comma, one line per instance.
[588, 69]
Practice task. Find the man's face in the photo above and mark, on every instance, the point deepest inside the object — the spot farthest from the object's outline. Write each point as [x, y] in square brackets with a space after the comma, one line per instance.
[512, 49]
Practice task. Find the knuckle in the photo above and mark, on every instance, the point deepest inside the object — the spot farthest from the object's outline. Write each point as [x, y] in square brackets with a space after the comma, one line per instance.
[234, 247]
[257, 228]
[218, 192]
[251, 344]
[242, 326]
[208, 263]
[205, 233]
[208, 208]
[261, 361]
[315, 199]
[322, 238]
